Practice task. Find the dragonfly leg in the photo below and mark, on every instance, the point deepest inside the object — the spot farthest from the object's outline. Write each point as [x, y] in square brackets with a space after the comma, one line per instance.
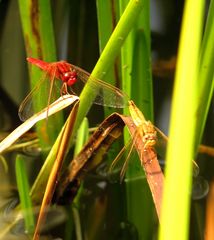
[64, 89]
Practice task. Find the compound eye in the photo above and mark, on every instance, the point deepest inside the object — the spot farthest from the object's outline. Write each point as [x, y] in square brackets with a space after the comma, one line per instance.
[66, 76]
[69, 77]
[71, 81]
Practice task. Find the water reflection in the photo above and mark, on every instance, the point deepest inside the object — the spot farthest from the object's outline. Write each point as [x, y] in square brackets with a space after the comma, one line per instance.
[12, 224]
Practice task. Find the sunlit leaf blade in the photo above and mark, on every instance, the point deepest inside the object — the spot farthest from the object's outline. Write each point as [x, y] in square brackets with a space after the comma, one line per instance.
[56, 169]
[57, 106]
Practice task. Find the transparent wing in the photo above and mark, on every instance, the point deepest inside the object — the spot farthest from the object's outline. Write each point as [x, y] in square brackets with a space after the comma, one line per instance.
[161, 143]
[200, 186]
[161, 149]
[26, 106]
[106, 94]
[47, 85]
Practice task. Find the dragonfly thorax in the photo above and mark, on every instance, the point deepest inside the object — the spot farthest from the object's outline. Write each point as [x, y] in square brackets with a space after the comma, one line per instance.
[69, 77]
[150, 135]
[149, 139]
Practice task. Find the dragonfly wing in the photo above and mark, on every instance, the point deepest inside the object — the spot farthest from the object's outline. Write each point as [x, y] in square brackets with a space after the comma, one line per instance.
[47, 87]
[106, 94]
[161, 149]
[161, 143]
[53, 92]
[26, 107]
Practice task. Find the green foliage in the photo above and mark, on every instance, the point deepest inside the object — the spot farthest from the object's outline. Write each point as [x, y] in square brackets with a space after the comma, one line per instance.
[124, 37]
[176, 199]
[39, 39]
[24, 190]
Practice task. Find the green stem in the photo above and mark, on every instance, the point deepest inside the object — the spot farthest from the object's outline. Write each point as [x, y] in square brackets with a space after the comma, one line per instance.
[180, 151]
[109, 54]
[137, 82]
[23, 187]
[40, 43]
[206, 75]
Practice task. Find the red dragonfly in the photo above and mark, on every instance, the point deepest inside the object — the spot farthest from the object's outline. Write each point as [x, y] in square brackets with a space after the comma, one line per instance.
[106, 94]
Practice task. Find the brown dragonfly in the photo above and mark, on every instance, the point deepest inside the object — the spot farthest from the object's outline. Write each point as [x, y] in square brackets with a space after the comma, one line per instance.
[154, 138]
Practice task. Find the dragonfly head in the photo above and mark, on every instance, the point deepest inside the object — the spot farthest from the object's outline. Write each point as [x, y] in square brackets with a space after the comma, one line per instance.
[69, 77]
